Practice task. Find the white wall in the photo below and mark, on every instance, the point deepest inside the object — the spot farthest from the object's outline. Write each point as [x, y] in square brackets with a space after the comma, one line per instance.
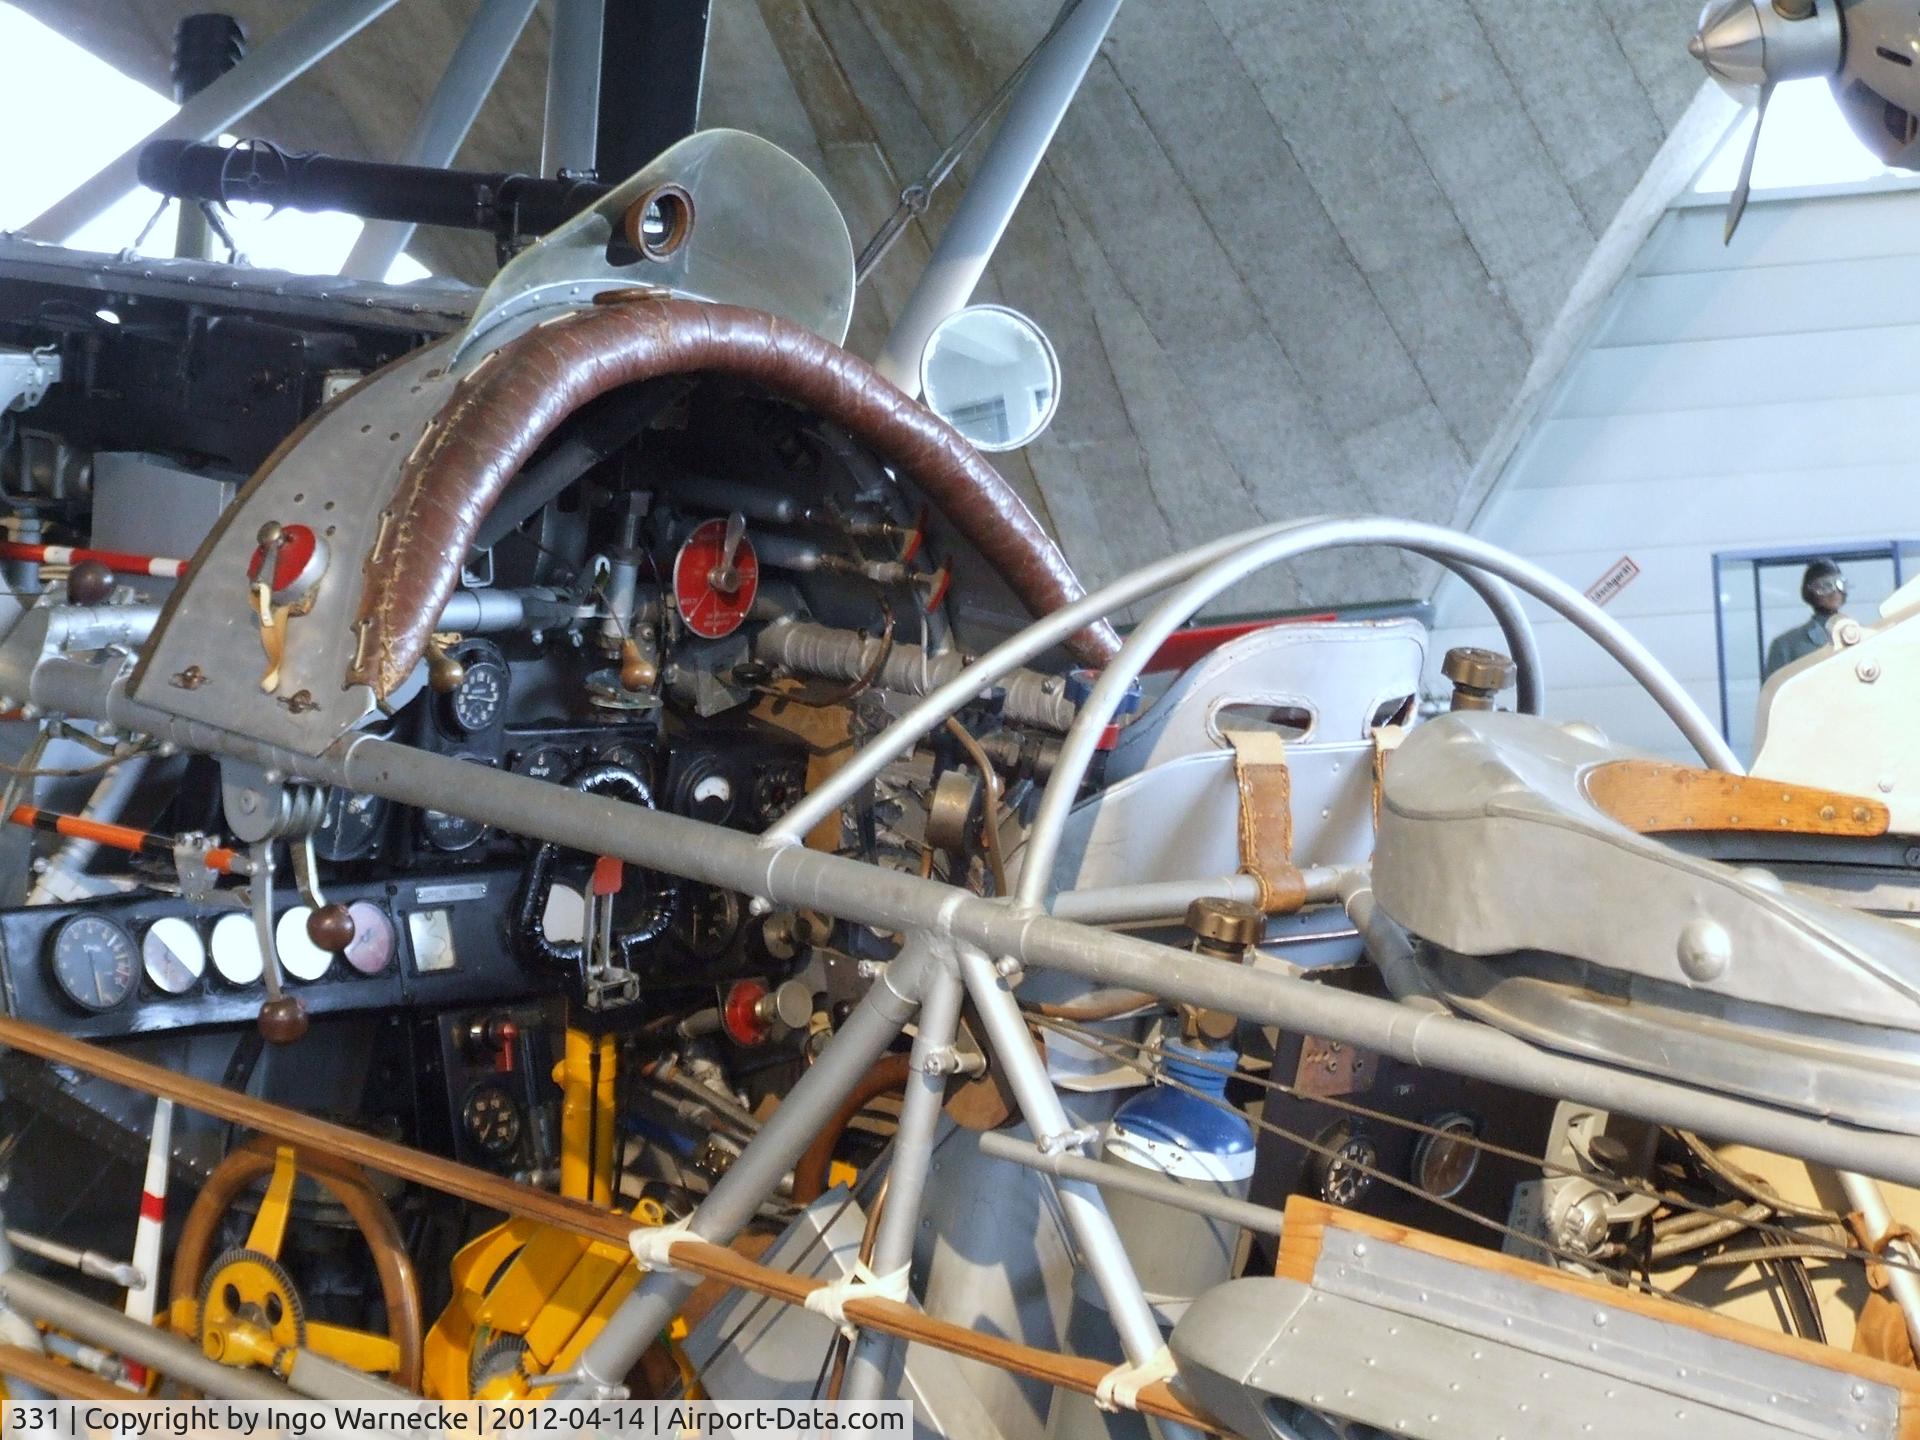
[1762, 395]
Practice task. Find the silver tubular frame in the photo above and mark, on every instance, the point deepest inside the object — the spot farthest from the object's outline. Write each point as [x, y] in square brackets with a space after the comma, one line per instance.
[951, 933]
[570, 133]
[938, 1024]
[280, 59]
[921, 719]
[1006, 168]
[444, 122]
[1097, 712]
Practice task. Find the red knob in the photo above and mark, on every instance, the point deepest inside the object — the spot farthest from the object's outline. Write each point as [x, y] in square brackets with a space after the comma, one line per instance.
[740, 1014]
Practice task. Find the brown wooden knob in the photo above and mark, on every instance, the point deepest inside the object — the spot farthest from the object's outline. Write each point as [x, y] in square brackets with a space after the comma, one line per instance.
[282, 1021]
[637, 672]
[331, 928]
[89, 582]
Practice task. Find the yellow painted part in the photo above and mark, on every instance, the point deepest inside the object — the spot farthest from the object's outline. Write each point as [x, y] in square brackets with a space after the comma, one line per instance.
[228, 1333]
[646, 1212]
[183, 1317]
[604, 1106]
[574, 1300]
[269, 1230]
[543, 1266]
[569, 1356]
[362, 1349]
[586, 1078]
[449, 1341]
[511, 1386]
[841, 1173]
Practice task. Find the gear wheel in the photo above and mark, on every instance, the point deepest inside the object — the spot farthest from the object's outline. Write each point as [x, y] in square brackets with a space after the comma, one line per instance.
[503, 1358]
[246, 1288]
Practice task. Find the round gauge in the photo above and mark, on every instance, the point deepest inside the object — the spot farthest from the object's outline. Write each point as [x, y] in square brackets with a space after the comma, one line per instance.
[715, 578]
[491, 1118]
[174, 955]
[453, 833]
[636, 758]
[300, 958]
[236, 950]
[371, 949]
[545, 762]
[707, 921]
[1345, 1163]
[774, 791]
[480, 697]
[349, 825]
[95, 962]
[1444, 1161]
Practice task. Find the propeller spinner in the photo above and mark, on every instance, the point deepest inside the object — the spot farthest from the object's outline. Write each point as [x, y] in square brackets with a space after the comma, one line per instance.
[1750, 46]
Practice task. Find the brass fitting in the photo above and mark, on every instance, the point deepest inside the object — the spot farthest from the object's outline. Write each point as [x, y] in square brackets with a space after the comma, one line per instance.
[1477, 676]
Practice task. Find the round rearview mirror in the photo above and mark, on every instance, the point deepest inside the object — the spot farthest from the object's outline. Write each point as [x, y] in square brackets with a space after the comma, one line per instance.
[991, 373]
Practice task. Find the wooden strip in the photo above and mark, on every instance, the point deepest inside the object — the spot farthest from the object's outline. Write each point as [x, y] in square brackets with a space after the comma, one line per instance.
[1308, 1220]
[891, 1317]
[449, 1177]
[1653, 797]
[19, 1363]
[478, 1187]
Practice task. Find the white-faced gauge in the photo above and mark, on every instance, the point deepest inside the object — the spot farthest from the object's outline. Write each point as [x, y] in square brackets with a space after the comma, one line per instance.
[236, 950]
[173, 955]
[300, 958]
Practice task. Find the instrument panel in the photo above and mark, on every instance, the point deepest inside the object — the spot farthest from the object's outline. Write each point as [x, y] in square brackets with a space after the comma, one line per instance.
[148, 963]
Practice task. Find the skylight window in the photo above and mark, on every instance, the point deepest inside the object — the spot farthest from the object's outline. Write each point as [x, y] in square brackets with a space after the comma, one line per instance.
[1806, 143]
[41, 73]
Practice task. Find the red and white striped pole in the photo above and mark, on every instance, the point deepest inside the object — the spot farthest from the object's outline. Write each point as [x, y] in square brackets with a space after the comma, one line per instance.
[148, 1231]
[121, 562]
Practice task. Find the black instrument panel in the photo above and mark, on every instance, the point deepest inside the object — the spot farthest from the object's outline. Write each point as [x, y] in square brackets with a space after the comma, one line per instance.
[428, 941]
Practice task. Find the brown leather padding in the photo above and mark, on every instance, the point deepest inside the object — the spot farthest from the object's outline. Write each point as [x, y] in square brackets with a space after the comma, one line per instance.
[520, 394]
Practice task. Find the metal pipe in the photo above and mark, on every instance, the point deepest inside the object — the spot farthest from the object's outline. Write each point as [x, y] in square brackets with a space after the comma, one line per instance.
[175, 1357]
[1101, 1250]
[1169, 899]
[736, 1196]
[1864, 1196]
[444, 122]
[1064, 1164]
[1006, 168]
[901, 736]
[848, 655]
[61, 880]
[930, 1064]
[283, 58]
[570, 131]
[319, 1378]
[796, 876]
[1077, 751]
[90, 1263]
[1530, 683]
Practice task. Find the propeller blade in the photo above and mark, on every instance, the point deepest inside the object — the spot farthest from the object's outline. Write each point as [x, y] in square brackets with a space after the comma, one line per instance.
[1737, 202]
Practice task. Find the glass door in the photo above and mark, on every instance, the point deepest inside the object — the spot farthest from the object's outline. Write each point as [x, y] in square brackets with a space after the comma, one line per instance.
[1757, 598]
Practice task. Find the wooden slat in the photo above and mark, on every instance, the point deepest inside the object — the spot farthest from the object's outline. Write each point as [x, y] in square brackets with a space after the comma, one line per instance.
[1308, 1221]
[479, 1187]
[523, 1201]
[19, 1363]
[1654, 797]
